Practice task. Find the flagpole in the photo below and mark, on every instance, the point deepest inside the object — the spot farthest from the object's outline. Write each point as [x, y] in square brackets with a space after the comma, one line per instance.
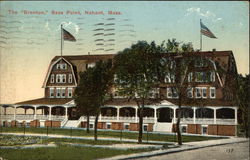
[200, 38]
[61, 39]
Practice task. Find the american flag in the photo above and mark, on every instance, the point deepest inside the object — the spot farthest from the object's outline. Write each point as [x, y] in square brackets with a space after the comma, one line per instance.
[68, 36]
[205, 31]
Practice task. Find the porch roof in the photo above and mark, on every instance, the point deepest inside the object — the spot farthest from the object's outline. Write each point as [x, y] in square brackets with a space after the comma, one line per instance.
[46, 101]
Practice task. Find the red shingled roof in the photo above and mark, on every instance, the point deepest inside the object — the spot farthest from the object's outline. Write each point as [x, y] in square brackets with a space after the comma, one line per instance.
[47, 101]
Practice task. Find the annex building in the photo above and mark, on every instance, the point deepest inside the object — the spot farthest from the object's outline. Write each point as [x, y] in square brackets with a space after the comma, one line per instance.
[212, 108]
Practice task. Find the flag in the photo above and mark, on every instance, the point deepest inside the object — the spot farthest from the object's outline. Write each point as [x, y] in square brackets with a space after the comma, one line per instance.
[68, 36]
[205, 31]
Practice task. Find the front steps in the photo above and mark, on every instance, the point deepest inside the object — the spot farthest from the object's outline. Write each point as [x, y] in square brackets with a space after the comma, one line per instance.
[163, 127]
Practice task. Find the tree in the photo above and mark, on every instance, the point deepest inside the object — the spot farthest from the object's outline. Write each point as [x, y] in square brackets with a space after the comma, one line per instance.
[93, 89]
[83, 95]
[178, 65]
[138, 71]
[243, 101]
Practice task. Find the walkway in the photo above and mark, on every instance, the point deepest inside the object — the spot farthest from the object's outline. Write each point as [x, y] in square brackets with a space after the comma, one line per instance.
[184, 147]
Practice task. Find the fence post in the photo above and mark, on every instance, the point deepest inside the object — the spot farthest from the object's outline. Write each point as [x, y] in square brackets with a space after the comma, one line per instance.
[24, 129]
[70, 131]
[121, 135]
[147, 135]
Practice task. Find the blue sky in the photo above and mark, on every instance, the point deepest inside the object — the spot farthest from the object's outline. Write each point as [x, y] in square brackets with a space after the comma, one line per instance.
[29, 42]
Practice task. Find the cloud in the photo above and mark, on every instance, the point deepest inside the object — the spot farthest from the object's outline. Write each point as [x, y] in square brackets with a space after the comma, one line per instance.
[70, 24]
[207, 14]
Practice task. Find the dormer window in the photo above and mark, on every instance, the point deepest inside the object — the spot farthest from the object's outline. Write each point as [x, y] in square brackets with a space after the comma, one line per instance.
[58, 66]
[64, 66]
[52, 78]
[61, 66]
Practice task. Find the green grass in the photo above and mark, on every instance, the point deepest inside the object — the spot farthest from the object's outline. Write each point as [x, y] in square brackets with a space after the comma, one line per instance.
[128, 135]
[63, 152]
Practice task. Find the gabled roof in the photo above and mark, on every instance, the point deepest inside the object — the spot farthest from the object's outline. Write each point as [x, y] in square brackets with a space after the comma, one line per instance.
[86, 57]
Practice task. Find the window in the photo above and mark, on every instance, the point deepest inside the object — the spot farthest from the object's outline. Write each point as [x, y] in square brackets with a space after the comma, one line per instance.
[57, 78]
[212, 92]
[190, 77]
[64, 66]
[91, 125]
[58, 93]
[190, 92]
[184, 129]
[201, 92]
[58, 66]
[70, 78]
[154, 93]
[108, 125]
[145, 127]
[61, 66]
[91, 65]
[63, 78]
[63, 92]
[200, 77]
[51, 92]
[198, 92]
[204, 129]
[69, 92]
[172, 93]
[204, 92]
[52, 78]
[201, 62]
[170, 78]
[126, 126]
[212, 76]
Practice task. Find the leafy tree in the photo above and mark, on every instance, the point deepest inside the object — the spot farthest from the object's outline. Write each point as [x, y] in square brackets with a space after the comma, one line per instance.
[93, 89]
[138, 71]
[243, 101]
[83, 96]
[178, 65]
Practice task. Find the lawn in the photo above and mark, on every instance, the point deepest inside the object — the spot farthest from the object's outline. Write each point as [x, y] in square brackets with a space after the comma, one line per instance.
[64, 152]
[61, 151]
[116, 134]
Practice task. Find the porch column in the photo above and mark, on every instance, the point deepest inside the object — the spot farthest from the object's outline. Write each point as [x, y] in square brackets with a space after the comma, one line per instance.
[15, 112]
[66, 112]
[118, 113]
[215, 116]
[235, 116]
[35, 112]
[4, 110]
[194, 115]
[136, 117]
[50, 112]
[155, 115]
[174, 115]
[100, 115]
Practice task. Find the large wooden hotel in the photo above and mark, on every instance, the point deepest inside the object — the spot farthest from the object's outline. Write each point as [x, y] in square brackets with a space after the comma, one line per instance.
[214, 113]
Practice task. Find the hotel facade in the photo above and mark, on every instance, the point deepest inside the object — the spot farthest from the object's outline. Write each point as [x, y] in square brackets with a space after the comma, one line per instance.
[215, 111]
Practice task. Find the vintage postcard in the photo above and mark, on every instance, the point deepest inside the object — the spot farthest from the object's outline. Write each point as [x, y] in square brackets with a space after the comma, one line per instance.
[124, 80]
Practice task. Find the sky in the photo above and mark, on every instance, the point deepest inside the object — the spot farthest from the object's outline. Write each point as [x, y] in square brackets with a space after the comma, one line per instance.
[30, 34]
